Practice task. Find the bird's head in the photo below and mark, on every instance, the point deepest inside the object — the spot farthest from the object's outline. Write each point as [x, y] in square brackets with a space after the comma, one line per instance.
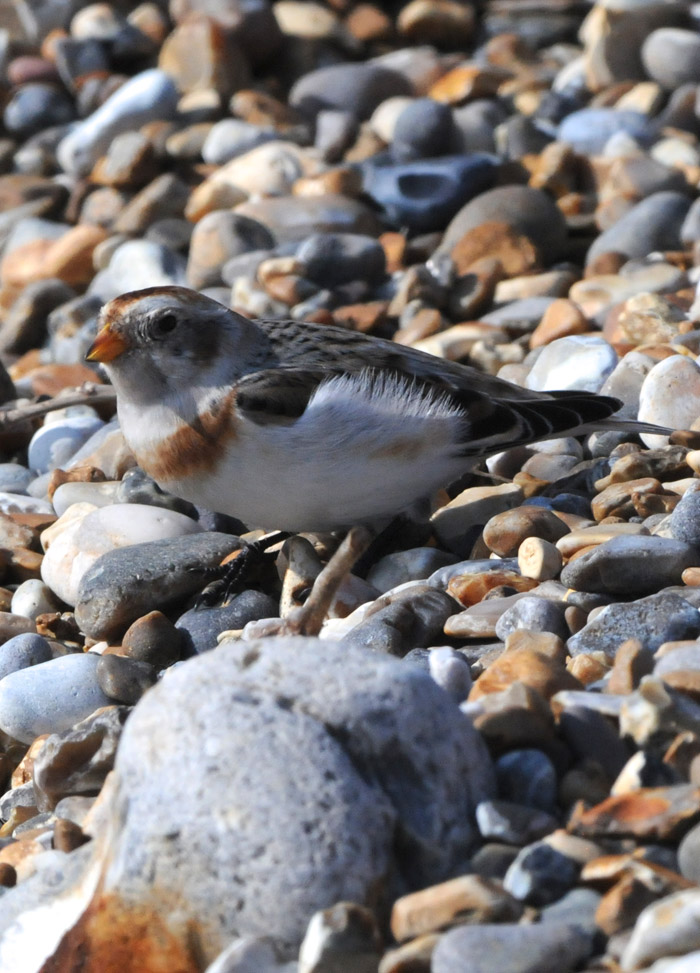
[165, 338]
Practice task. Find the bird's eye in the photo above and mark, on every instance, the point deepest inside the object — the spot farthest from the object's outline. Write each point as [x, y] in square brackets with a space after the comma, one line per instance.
[167, 323]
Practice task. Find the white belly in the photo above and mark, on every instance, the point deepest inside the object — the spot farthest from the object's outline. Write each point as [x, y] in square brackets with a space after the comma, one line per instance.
[360, 453]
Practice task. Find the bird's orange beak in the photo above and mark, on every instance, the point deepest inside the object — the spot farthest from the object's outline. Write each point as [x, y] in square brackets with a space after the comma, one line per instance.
[107, 346]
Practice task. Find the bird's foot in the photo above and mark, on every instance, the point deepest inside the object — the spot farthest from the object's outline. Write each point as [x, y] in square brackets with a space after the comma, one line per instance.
[232, 576]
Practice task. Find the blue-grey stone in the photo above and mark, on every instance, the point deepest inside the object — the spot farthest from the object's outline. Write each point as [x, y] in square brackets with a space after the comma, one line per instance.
[36, 106]
[22, 651]
[533, 614]
[426, 194]
[337, 258]
[671, 56]
[51, 696]
[653, 224]
[358, 88]
[633, 565]
[505, 948]
[685, 519]
[588, 129]
[512, 823]
[423, 130]
[527, 777]
[53, 445]
[540, 874]
[663, 617]
[201, 626]
[14, 478]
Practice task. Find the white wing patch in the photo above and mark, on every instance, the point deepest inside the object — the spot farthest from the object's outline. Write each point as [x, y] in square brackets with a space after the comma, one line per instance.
[390, 395]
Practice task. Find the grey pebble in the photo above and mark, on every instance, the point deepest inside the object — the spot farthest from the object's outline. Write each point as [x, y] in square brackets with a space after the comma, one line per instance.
[337, 258]
[22, 651]
[358, 88]
[199, 627]
[659, 618]
[125, 680]
[423, 129]
[51, 696]
[527, 777]
[588, 129]
[126, 583]
[514, 824]
[413, 618]
[671, 56]
[53, 445]
[577, 908]
[14, 478]
[540, 874]
[533, 614]
[635, 564]
[689, 855]
[589, 735]
[652, 224]
[137, 487]
[487, 948]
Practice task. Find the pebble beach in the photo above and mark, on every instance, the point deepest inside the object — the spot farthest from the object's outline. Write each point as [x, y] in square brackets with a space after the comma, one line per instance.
[481, 753]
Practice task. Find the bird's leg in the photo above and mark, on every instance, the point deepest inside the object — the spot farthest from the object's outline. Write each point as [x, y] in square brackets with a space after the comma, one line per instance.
[236, 572]
[399, 534]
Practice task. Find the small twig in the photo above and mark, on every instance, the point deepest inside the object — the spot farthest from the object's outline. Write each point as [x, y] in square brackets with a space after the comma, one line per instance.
[87, 394]
[309, 617]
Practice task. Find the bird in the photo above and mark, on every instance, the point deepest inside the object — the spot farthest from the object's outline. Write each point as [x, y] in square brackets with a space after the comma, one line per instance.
[309, 427]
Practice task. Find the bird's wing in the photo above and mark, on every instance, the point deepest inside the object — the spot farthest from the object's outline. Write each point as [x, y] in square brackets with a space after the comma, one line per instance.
[277, 395]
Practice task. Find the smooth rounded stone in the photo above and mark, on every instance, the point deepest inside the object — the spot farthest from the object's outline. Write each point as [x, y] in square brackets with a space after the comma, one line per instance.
[218, 238]
[689, 854]
[576, 362]
[528, 211]
[128, 582]
[652, 224]
[664, 617]
[412, 618]
[534, 614]
[35, 106]
[138, 264]
[474, 125]
[415, 564]
[337, 258]
[232, 137]
[487, 947]
[685, 518]
[200, 627]
[626, 380]
[124, 680]
[424, 128]
[250, 954]
[14, 478]
[505, 532]
[425, 194]
[515, 824]
[539, 559]
[50, 697]
[33, 598]
[630, 565]
[137, 487]
[451, 672]
[345, 936]
[154, 639]
[358, 88]
[53, 445]
[540, 874]
[665, 928]
[99, 494]
[17, 503]
[23, 651]
[671, 56]
[690, 230]
[147, 97]
[83, 534]
[471, 508]
[670, 396]
[588, 129]
[291, 219]
[288, 722]
[577, 908]
[527, 777]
